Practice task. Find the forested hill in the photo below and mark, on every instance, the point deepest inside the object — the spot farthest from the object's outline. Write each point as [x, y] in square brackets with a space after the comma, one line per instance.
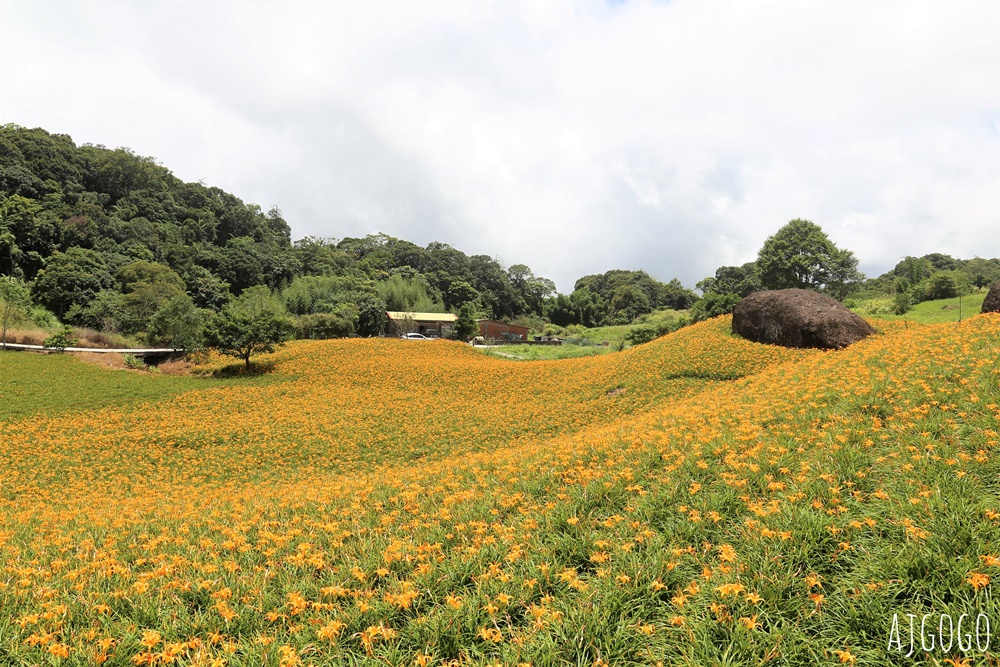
[105, 238]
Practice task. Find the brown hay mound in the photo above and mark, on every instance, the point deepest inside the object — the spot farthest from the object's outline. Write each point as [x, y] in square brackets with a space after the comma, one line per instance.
[991, 304]
[798, 318]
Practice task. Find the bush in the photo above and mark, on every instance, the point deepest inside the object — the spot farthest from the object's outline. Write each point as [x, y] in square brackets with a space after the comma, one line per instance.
[641, 335]
[61, 339]
[901, 303]
[321, 326]
[882, 305]
[713, 305]
[43, 318]
[647, 333]
[134, 362]
[945, 285]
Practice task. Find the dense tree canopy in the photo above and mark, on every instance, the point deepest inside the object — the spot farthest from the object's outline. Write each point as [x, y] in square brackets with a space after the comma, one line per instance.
[800, 255]
[110, 239]
[107, 238]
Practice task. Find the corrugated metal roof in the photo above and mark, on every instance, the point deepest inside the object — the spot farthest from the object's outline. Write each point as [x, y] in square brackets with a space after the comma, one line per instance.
[421, 317]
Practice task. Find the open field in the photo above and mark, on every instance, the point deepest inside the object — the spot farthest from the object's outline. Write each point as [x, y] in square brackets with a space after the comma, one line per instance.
[943, 310]
[57, 383]
[547, 352]
[696, 500]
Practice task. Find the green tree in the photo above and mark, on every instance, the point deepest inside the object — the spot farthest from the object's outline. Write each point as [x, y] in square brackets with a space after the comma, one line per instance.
[800, 255]
[15, 301]
[71, 278]
[628, 302]
[148, 287]
[371, 316]
[460, 293]
[179, 324]
[251, 324]
[466, 326]
[407, 294]
[207, 289]
[945, 285]
[107, 311]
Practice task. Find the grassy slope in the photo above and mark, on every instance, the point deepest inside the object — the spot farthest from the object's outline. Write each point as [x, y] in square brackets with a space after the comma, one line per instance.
[517, 512]
[51, 383]
[942, 310]
[546, 352]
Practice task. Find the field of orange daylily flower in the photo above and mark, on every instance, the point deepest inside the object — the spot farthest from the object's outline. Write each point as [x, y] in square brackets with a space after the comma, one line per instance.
[696, 500]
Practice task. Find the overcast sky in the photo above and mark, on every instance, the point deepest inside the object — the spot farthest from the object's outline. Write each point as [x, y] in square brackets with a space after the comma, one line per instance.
[571, 136]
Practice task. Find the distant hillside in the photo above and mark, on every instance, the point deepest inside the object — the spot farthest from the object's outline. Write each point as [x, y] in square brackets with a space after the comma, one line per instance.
[107, 237]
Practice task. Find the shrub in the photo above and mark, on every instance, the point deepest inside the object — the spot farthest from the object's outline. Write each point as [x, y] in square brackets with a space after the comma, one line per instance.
[61, 339]
[901, 303]
[134, 362]
[645, 334]
[641, 335]
[713, 305]
[321, 326]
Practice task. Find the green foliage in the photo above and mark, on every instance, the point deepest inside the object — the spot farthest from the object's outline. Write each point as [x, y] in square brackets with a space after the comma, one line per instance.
[43, 318]
[943, 310]
[616, 297]
[61, 339]
[466, 326]
[179, 324]
[714, 304]
[628, 302]
[881, 305]
[649, 332]
[323, 294]
[800, 255]
[739, 280]
[134, 362]
[459, 294]
[207, 289]
[371, 316]
[71, 278]
[107, 311]
[321, 326]
[901, 302]
[944, 285]
[147, 287]
[252, 324]
[931, 277]
[411, 294]
[15, 303]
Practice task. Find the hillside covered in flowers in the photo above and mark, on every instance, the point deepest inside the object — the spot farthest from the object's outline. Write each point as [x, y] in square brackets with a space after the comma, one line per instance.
[696, 500]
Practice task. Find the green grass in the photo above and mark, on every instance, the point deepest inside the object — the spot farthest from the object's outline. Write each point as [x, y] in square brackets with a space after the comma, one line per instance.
[615, 333]
[547, 352]
[54, 383]
[942, 310]
[584, 342]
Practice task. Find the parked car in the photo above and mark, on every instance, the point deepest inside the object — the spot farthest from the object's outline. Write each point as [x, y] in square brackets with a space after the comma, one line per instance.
[414, 336]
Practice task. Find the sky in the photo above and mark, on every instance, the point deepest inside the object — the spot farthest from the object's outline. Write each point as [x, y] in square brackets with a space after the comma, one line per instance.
[572, 136]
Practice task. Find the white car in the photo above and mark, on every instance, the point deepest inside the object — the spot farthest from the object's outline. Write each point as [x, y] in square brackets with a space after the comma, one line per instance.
[414, 336]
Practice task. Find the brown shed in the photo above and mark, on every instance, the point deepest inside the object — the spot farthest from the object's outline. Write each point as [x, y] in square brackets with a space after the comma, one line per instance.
[495, 330]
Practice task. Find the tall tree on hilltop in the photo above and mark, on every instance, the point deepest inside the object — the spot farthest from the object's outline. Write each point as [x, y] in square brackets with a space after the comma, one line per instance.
[800, 255]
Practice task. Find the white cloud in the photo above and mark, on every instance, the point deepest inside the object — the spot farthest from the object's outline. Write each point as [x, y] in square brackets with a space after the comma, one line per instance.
[575, 137]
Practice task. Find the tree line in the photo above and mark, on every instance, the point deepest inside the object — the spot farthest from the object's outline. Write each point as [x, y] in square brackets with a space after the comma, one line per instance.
[111, 240]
